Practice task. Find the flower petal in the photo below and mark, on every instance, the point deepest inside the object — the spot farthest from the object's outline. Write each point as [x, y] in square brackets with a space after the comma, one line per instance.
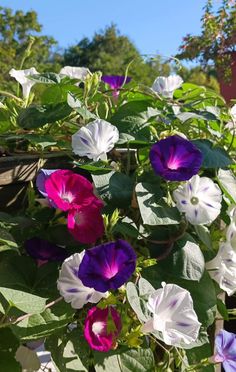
[74, 72]
[95, 139]
[174, 315]
[21, 77]
[175, 158]
[86, 223]
[200, 199]
[167, 85]
[71, 287]
[108, 266]
[69, 190]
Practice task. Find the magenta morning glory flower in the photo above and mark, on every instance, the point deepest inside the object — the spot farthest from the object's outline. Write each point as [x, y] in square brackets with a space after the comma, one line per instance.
[69, 190]
[115, 82]
[107, 266]
[86, 223]
[44, 251]
[225, 343]
[175, 158]
[102, 327]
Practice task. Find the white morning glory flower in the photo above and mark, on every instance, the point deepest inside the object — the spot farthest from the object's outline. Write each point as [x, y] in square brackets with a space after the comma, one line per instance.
[167, 85]
[95, 139]
[79, 73]
[232, 124]
[72, 101]
[173, 315]
[231, 230]
[21, 77]
[72, 288]
[200, 199]
[223, 268]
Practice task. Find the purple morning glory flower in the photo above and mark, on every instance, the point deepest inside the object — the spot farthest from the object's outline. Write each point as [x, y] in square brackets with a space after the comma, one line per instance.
[115, 82]
[42, 250]
[175, 158]
[107, 266]
[42, 176]
[225, 343]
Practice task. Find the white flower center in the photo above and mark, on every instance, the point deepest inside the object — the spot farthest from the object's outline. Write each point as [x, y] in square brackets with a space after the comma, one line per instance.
[98, 327]
[194, 200]
[67, 196]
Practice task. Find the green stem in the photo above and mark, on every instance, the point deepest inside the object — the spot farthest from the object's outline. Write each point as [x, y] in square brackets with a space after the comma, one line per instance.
[10, 95]
[2, 321]
[128, 160]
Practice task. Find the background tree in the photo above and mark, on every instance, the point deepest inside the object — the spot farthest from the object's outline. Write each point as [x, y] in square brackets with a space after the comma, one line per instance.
[110, 52]
[16, 30]
[198, 75]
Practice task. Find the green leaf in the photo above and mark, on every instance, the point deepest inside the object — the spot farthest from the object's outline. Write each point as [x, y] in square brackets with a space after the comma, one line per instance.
[50, 321]
[198, 353]
[85, 113]
[26, 302]
[96, 168]
[133, 360]
[46, 78]
[132, 118]
[134, 301]
[213, 156]
[58, 93]
[187, 262]
[7, 242]
[64, 355]
[115, 187]
[43, 141]
[204, 235]
[8, 346]
[185, 116]
[22, 273]
[137, 360]
[81, 346]
[222, 309]
[153, 207]
[36, 116]
[105, 362]
[18, 272]
[127, 228]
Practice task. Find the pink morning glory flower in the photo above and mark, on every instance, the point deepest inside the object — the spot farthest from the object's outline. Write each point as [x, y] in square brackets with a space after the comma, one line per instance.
[116, 82]
[107, 266]
[86, 223]
[225, 343]
[69, 190]
[102, 327]
[175, 158]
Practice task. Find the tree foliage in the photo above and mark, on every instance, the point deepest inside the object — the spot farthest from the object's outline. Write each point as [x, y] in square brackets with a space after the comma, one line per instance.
[16, 31]
[111, 53]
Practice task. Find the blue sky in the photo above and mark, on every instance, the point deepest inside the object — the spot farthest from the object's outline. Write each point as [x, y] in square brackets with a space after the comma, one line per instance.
[155, 26]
